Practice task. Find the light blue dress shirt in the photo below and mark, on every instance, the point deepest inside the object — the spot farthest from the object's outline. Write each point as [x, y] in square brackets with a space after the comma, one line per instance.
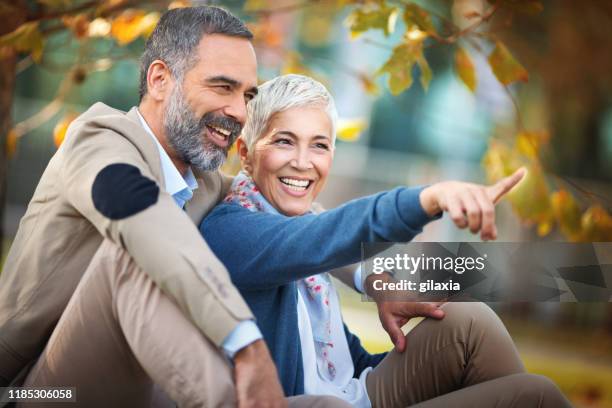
[181, 189]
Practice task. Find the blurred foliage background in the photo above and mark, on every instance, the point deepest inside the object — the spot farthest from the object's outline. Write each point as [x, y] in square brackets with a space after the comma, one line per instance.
[426, 90]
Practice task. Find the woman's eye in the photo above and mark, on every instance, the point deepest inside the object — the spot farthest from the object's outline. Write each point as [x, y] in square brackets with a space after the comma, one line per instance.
[321, 146]
[283, 141]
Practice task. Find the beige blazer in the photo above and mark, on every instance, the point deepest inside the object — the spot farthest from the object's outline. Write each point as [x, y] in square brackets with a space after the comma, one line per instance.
[62, 230]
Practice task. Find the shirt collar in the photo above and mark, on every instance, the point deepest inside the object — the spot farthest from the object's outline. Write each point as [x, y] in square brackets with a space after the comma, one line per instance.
[173, 179]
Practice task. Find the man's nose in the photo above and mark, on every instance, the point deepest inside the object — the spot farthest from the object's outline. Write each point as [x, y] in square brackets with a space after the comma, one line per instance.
[236, 109]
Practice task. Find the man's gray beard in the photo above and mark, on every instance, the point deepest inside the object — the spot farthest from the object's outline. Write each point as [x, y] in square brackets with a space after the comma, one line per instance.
[185, 134]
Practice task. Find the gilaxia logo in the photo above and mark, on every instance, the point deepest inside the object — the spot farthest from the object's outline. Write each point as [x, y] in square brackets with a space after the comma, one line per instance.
[411, 264]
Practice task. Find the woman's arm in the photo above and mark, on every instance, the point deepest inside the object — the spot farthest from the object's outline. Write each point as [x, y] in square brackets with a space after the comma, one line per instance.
[263, 250]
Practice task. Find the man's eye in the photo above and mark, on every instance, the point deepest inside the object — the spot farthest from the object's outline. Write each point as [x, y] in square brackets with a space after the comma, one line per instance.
[225, 88]
[322, 146]
[249, 97]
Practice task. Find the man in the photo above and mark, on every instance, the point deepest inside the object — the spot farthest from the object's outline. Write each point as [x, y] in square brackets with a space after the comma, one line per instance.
[152, 300]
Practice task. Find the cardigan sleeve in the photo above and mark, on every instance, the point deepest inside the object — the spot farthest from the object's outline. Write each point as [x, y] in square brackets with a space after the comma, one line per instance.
[263, 250]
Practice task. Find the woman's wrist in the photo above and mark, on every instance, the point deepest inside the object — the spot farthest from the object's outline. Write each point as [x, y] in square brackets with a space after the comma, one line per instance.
[429, 200]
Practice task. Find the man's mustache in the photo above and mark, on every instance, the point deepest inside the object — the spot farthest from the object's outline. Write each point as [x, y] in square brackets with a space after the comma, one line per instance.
[224, 122]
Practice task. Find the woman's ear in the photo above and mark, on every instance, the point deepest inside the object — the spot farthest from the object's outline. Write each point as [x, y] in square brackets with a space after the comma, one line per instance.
[243, 153]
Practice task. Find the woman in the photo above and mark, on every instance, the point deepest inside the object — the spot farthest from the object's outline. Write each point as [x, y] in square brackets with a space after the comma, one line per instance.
[277, 252]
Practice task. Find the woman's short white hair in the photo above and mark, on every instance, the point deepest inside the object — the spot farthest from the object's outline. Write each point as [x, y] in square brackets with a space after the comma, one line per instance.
[282, 93]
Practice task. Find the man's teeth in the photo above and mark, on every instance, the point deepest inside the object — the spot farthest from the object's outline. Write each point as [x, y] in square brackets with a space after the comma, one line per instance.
[298, 185]
[223, 132]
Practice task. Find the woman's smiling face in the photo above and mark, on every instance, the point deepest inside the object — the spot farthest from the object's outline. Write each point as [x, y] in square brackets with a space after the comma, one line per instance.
[291, 161]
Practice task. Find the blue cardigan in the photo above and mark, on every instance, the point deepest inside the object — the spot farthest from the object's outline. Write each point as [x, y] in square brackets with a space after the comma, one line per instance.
[266, 254]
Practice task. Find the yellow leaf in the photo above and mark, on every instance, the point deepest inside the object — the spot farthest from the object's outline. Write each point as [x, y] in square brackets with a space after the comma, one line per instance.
[465, 68]
[11, 143]
[131, 24]
[400, 63]
[567, 212]
[349, 130]
[505, 67]
[544, 228]
[527, 145]
[59, 131]
[26, 38]
[294, 65]
[369, 18]
[426, 73]
[530, 198]
[596, 224]
[255, 5]
[419, 17]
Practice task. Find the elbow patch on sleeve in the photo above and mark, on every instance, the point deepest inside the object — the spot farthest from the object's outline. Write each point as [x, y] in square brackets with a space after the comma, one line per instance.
[120, 190]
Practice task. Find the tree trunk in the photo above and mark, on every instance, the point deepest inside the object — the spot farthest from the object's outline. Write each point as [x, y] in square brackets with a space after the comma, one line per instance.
[7, 84]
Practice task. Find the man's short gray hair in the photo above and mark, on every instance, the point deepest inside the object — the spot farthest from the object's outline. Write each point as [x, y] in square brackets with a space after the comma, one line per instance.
[282, 93]
[176, 37]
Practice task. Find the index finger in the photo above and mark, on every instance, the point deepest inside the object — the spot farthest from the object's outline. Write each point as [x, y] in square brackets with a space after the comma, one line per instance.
[497, 190]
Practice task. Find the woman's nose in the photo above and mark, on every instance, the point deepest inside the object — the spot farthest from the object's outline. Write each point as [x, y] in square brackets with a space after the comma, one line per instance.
[301, 161]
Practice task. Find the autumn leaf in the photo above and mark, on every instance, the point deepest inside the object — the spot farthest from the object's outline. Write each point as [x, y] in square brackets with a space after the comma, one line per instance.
[426, 73]
[419, 17]
[596, 224]
[27, 38]
[294, 65]
[59, 131]
[400, 63]
[11, 143]
[349, 130]
[131, 24]
[368, 84]
[364, 19]
[78, 24]
[505, 67]
[255, 5]
[530, 199]
[567, 213]
[266, 35]
[464, 67]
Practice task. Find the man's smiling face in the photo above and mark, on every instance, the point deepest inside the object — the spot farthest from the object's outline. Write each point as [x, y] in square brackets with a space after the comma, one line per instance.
[205, 113]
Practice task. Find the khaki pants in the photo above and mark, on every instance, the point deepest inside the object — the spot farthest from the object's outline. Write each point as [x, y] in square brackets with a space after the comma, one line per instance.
[466, 360]
[120, 335]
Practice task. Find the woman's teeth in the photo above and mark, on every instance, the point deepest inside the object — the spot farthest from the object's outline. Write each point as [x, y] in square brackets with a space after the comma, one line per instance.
[296, 185]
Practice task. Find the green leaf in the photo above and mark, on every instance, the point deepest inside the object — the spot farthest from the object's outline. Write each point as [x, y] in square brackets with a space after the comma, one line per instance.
[364, 19]
[505, 67]
[419, 17]
[464, 67]
[26, 38]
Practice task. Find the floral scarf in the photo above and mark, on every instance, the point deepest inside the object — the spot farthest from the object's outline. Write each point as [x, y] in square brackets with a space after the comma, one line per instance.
[245, 193]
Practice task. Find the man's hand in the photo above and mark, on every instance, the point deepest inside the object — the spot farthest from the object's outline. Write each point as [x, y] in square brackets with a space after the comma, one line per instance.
[256, 378]
[472, 201]
[393, 315]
